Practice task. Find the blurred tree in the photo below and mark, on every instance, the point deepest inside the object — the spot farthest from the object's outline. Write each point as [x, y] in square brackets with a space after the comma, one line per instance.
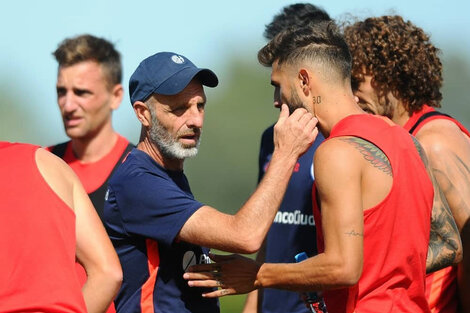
[19, 121]
[456, 97]
[225, 171]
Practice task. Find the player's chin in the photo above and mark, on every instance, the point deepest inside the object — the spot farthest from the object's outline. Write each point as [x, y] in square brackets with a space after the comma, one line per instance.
[75, 132]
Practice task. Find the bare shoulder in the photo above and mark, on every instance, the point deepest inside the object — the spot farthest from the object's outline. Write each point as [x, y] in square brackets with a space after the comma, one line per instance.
[336, 154]
[47, 163]
[440, 135]
[57, 174]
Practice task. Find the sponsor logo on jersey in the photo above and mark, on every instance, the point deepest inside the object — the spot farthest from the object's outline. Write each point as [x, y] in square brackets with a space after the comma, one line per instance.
[294, 218]
[190, 259]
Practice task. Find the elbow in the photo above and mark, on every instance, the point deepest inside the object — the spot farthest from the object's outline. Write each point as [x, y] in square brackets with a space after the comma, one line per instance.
[349, 278]
[114, 276]
[249, 244]
[456, 251]
[346, 275]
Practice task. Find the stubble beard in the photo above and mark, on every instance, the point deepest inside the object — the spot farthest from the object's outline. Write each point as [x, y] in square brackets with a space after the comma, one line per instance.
[169, 147]
[295, 102]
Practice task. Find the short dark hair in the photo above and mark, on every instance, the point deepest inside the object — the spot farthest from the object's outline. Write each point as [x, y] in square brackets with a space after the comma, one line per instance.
[321, 42]
[90, 48]
[295, 15]
[399, 56]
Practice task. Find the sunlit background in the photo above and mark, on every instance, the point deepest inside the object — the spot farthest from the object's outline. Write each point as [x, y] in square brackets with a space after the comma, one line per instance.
[222, 35]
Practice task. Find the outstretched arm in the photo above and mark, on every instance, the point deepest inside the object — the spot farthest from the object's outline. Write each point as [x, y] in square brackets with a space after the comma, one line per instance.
[445, 247]
[338, 178]
[244, 232]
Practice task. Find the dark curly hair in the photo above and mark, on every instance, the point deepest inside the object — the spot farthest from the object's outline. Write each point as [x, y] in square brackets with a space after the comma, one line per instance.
[298, 15]
[321, 43]
[400, 58]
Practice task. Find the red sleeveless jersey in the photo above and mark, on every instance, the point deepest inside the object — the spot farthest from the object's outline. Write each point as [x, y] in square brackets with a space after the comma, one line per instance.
[441, 286]
[37, 239]
[396, 231]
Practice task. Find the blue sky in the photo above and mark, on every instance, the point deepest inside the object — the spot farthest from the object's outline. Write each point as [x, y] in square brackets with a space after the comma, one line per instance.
[208, 32]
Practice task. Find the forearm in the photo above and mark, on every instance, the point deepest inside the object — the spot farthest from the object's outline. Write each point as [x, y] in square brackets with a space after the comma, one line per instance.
[255, 217]
[251, 302]
[100, 290]
[317, 273]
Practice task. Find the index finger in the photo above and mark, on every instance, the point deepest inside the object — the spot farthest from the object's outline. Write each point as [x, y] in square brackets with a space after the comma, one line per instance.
[299, 113]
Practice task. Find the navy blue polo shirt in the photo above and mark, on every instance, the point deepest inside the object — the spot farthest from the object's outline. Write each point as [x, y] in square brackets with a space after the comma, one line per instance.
[146, 207]
[293, 229]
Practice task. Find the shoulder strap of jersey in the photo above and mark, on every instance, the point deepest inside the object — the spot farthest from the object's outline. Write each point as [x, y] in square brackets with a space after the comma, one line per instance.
[424, 117]
[97, 196]
[59, 150]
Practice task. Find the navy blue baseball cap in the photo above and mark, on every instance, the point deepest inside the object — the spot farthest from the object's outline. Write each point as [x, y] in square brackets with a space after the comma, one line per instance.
[166, 73]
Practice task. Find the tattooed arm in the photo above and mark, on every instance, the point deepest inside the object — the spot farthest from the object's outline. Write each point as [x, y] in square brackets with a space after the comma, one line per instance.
[445, 247]
[448, 150]
[338, 178]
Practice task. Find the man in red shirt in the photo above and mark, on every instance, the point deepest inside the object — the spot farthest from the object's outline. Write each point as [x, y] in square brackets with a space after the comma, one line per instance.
[372, 193]
[46, 223]
[88, 91]
[397, 73]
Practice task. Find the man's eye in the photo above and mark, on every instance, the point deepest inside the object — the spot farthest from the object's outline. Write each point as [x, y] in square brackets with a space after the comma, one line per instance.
[60, 92]
[80, 92]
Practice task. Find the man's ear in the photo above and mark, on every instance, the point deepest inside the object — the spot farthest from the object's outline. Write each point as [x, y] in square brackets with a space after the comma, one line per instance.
[117, 94]
[304, 81]
[143, 113]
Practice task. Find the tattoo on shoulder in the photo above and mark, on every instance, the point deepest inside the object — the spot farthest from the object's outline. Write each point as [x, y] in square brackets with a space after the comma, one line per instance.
[371, 153]
[354, 233]
[420, 149]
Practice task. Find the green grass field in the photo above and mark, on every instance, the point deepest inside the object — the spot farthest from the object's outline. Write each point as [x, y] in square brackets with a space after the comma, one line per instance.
[232, 304]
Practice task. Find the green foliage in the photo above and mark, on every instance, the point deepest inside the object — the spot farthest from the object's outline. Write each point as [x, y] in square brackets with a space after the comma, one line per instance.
[456, 98]
[232, 304]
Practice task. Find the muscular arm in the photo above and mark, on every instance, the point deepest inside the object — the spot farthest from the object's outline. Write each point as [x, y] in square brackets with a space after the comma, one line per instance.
[445, 247]
[93, 247]
[244, 232]
[338, 179]
[448, 150]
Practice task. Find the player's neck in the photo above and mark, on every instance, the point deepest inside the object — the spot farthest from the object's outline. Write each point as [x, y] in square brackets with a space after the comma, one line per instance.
[332, 113]
[400, 114]
[92, 149]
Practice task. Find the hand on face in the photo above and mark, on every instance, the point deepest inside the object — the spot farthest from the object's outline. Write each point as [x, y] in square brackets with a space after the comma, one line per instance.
[232, 274]
[295, 133]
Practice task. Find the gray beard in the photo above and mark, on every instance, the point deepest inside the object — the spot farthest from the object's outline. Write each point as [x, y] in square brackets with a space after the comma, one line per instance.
[169, 147]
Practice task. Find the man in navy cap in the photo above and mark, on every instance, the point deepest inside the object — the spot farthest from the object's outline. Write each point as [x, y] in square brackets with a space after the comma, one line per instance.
[156, 225]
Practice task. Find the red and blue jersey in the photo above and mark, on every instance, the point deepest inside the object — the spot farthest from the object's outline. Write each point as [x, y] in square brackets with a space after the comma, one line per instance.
[146, 207]
[293, 229]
